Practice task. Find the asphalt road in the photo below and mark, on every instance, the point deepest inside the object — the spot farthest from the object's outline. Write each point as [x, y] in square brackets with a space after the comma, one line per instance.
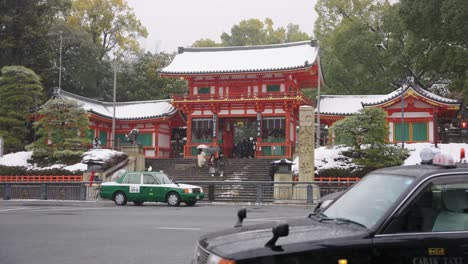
[49, 232]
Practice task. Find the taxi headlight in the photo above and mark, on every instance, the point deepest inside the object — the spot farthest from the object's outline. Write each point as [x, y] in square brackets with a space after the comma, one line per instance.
[201, 190]
[213, 259]
[187, 190]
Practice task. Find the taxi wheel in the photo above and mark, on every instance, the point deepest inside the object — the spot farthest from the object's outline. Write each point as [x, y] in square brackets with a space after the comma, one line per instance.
[173, 199]
[138, 203]
[120, 198]
[190, 203]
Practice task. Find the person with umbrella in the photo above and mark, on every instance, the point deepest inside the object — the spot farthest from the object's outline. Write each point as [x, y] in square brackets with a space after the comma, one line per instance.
[201, 158]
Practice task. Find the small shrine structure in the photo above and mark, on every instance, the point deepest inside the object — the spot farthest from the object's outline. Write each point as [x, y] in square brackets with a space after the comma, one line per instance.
[154, 120]
[417, 110]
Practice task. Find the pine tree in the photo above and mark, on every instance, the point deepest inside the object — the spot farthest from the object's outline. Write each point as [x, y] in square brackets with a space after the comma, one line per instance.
[366, 134]
[18, 88]
[62, 132]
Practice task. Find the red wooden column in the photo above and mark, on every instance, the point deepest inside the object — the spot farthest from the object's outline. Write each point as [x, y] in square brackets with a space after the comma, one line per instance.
[287, 140]
[215, 109]
[190, 86]
[435, 125]
[288, 107]
[259, 108]
[188, 110]
[188, 148]
[156, 140]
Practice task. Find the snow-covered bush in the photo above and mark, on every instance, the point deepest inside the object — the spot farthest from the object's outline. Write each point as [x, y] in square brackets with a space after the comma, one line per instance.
[106, 158]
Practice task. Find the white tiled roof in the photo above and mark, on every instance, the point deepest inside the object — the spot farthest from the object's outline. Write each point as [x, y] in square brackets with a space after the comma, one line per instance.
[416, 89]
[124, 110]
[351, 104]
[344, 104]
[243, 59]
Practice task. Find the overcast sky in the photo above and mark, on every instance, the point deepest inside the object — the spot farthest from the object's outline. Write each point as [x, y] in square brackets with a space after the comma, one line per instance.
[176, 23]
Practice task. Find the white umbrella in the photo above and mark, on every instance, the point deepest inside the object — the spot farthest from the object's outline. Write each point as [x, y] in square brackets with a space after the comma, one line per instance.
[202, 146]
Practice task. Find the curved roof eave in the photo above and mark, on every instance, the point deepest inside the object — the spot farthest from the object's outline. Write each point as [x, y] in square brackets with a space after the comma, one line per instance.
[134, 118]
[417, 90]
[252, 71]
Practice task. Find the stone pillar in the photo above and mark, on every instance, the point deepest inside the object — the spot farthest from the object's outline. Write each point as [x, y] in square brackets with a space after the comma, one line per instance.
[283, 192]
[136, 152]
[306, 143]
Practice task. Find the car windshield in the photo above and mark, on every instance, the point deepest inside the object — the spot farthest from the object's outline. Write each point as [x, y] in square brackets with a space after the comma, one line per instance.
[368, 201]
[163, 178]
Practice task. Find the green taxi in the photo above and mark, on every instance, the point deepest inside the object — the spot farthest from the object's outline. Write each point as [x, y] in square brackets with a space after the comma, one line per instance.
[150, 186]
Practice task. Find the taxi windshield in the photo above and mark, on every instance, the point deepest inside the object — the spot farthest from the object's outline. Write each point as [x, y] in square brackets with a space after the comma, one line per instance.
[368, 201]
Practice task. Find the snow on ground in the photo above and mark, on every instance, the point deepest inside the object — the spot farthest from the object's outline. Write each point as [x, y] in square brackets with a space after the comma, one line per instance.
[20, 159]
[98, 156]
[326, 157]
[76, 167]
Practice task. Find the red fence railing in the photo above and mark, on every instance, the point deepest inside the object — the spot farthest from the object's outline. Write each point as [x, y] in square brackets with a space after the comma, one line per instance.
[337, 179]
[42, 178]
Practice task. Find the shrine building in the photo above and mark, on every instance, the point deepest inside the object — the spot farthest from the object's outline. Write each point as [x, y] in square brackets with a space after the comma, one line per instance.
[419, 112]
[155, 121]
[238, 93]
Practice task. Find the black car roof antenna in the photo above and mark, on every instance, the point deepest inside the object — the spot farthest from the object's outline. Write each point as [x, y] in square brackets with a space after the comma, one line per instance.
[241, 215]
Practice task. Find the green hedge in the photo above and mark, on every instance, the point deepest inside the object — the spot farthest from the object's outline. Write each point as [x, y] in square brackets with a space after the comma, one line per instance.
[340, 172]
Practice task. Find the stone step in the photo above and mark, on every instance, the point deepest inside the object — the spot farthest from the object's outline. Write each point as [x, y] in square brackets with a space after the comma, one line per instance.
[235, 169]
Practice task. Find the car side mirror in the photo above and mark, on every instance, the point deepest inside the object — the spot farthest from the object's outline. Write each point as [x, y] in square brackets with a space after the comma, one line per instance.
[279, 230]
[241, 215]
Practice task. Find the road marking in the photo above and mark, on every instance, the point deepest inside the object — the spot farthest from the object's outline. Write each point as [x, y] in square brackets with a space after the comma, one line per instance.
[65, 209]
[179, 228]
[35, 209]
[13, 209]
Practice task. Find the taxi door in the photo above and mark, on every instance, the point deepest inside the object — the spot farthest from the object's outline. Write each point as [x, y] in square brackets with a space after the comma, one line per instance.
[134, 183]
[432, 227]
[149, 189]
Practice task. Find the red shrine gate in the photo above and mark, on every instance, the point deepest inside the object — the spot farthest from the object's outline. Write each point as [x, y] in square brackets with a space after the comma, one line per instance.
[240, 92]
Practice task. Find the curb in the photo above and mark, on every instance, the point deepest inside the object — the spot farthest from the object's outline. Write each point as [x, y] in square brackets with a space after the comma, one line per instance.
[108, 203]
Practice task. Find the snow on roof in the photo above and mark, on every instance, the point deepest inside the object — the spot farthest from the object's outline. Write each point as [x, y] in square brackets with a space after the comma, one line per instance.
[344, 104]
[243, 59]
[416, 89]
[436, 97]
[351, 104]
[124, 110]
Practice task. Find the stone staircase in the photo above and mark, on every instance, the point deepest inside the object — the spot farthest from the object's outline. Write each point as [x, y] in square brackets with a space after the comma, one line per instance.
[245, 170]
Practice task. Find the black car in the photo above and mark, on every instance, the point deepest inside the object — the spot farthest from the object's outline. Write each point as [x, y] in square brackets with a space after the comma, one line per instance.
[409, 214]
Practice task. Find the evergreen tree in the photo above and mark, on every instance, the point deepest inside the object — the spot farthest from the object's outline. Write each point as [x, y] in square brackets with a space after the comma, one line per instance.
[138, 79]
[25, 33]
[62, 132]
[442, 26]
[366, 133]
[19, 87]
[366, 127]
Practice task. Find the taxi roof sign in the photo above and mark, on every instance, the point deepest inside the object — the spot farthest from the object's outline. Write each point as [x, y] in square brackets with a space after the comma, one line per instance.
[444, 160]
